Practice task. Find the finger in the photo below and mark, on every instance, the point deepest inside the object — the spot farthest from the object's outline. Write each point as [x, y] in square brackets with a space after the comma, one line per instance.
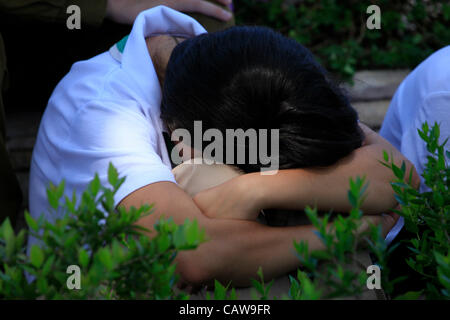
[368, 133]
[394, 216]
[224, 2]
[388, 223]
[201, 6]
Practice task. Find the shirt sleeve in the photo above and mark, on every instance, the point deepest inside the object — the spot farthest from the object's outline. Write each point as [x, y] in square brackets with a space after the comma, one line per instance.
[113, 132]
[93, 12]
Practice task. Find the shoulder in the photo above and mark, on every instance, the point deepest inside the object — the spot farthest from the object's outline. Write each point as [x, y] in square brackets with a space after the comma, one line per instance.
[433, 74]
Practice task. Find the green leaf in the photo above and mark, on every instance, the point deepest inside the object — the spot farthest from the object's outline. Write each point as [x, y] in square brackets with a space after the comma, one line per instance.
[48, 265]
[60, 189]
[52, 198]
[94, 186]
[258, 286]
[438, 198]
[321, 255]
[7, 229]
[352, 199]
[410, 295]
[163, 242]
[385, 156]
[32, 224]
[42, 285]
[105, 258]
[9, 237]
[192, 232]
[179, 238]
[398, 172]
[83, 258]
[113, 176]
[219, 291]
[36, 256]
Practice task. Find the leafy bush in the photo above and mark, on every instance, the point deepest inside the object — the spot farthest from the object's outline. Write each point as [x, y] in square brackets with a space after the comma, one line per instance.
[342, 242]
[336, 31]
[427, 216]
[117, 260]
[327, 273]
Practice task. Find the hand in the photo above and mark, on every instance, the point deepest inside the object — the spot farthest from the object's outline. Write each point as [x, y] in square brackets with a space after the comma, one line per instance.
[369, 134]
[234, 199]
[160, 48]
[386, 220]
[126, 11]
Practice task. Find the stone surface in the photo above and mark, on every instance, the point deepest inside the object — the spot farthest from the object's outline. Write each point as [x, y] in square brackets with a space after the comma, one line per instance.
[375, 85]
[20, 160]
[21, 131]
[21, 143]
[372, 112]
[22, 125]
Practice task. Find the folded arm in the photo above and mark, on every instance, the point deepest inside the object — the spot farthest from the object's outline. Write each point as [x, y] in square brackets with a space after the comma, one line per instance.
[235, 248]
[326, 188]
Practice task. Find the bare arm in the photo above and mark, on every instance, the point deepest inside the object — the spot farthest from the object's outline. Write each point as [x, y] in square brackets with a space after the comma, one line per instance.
[244, 196]
[235, 248]
[125, 11]
[327, 187]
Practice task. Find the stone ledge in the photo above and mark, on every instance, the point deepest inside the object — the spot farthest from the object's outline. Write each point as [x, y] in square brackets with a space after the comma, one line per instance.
[21, 143]
[372, 112]
[22, 125]
[20, 160]
[372, 85]
[23, 178]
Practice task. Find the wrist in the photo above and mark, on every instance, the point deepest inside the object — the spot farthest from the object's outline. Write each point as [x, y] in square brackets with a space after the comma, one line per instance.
[255, 189]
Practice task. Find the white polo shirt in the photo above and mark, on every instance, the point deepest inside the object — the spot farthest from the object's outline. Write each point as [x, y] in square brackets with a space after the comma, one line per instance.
[423, 96]
[107, 109]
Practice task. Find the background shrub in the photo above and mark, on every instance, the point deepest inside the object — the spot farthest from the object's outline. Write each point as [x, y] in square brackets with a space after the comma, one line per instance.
[336, 32]
[117, 259]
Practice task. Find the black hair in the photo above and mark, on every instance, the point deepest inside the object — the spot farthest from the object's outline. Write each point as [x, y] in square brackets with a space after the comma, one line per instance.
[253, 77]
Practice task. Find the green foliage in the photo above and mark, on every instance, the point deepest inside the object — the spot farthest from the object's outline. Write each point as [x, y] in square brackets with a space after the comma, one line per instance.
[427, 215]
[222, 293]
[336, 31]
[328, 273]
[262, 289]
[117, 259]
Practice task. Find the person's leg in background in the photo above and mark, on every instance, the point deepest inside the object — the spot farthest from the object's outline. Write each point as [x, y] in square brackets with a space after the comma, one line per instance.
[10, 193]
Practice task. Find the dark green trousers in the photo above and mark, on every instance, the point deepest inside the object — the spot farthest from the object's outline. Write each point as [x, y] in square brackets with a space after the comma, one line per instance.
[10, 193]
